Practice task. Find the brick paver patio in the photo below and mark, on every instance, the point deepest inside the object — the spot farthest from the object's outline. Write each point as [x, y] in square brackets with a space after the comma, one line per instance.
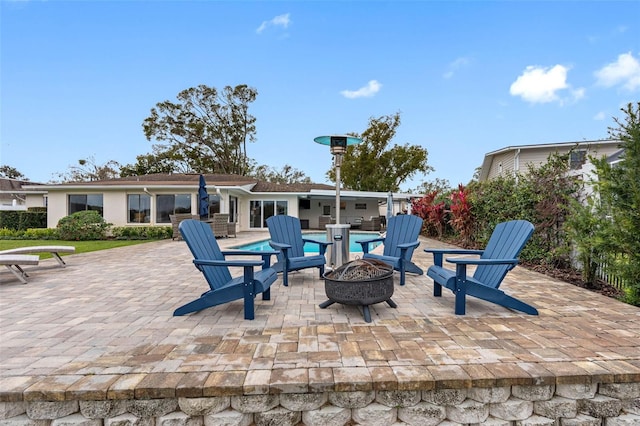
[103, 326]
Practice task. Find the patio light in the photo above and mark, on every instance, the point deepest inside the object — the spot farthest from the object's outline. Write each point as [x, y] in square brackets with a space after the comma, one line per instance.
[338, 145]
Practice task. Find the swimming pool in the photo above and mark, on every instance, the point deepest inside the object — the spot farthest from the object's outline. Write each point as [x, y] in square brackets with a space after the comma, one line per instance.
[319, 236]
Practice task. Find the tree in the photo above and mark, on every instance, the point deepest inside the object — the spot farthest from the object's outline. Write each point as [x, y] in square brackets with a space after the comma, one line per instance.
[206, 129]
[156, 162]
[11, 173]
[585, 228]
[287, 175]
[87, 171]
[550, 191]
[370, 166]
[439, 185]
[618, 186]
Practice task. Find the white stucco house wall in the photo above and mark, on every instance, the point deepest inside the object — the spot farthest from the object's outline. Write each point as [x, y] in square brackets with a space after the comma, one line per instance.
[148, 200]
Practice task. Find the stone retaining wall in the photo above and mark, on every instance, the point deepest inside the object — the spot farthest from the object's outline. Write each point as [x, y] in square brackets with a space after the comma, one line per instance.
[610, 404]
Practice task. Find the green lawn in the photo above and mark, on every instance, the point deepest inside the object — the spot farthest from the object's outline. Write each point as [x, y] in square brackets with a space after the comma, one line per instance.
[81, 246]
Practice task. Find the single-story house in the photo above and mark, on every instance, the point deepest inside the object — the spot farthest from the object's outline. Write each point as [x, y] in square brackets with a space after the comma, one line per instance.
[511, 160]
[149, 200]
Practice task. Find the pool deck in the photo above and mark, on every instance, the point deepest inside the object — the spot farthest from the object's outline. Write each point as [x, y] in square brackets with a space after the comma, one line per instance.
[103, 328]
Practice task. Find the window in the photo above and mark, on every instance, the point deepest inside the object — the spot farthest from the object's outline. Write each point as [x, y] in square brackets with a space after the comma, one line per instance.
[81, 202]
[261, 210]
[214, 204]
[281, 207]
[139, 208]
[268, 210]
[170, 204]
[577, 159]
[361, 206]
[326, 210]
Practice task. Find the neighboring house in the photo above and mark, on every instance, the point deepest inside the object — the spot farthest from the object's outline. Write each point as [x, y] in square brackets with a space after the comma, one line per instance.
[517, 159]
[150, 199]
[13, 195]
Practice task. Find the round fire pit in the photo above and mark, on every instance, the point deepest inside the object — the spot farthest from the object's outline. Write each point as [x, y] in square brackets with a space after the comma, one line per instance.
[361, 282]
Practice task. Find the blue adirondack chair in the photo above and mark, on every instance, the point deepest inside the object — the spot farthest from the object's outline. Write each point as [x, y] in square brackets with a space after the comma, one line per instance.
[400, 240]
[211, 261]
[499, 257]
[287, 239]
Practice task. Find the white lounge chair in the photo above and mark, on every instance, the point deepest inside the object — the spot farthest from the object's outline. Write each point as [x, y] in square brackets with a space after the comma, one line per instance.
[13, 263]
[54, 250]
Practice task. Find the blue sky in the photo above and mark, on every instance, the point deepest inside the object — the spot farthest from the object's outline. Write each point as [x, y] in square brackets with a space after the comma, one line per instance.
[79, 77]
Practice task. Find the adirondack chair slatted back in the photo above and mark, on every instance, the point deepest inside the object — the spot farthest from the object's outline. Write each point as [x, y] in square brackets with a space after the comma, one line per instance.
[287, 230]
[506, 242]
[401, 229]
[203, 245]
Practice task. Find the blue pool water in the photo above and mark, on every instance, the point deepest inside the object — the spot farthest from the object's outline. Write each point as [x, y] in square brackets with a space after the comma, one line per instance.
[319, 236]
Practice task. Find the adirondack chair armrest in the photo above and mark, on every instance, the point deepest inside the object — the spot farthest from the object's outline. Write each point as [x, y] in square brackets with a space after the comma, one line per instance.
[406, 246]
[372, 240]
[365, 243]
[458, 262]
[265, 254]
[280, 246]
[453, 251]
[322, 245]
[249, 252]
[204, 262]
[309, 240]
[438, 253]
[511, 262]
[466, 261]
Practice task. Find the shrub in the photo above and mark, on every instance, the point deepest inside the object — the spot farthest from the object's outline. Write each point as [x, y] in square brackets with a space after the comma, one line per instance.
[10, 219]
[142, 232]
[461, 219]
[33, 219]
[83, 226]
[433, 212]
[10, 234]
[40, 234]
[22, 220]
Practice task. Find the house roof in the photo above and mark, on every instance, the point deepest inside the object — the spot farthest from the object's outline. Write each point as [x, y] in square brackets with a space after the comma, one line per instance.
[616, 157]
[250, 184]
[553, 145]
[15, 186]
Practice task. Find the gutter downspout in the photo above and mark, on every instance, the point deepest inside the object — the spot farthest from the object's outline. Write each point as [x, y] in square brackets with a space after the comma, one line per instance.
[516, 165]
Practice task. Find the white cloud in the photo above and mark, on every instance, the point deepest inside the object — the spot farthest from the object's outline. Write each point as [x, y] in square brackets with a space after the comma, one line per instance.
[279, 21]
[367, 91]
[578, 93]
[599, 116]
[624, 72]
[542, 85]
[455, 66]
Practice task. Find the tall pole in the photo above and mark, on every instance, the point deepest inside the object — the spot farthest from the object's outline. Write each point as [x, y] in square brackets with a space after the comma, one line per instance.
[338, 145]
[338, 161]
